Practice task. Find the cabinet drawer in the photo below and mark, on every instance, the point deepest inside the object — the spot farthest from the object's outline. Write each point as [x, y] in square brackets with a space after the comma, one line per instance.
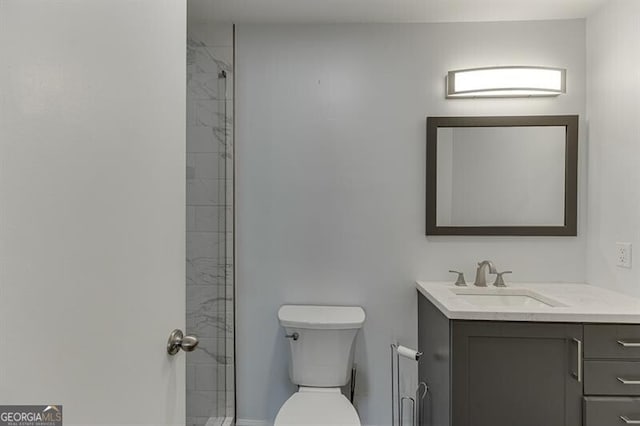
[612, 377]
[612, 341]
[611, 411]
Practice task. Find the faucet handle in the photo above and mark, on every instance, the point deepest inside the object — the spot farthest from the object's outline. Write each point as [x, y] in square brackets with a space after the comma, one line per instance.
[499, 282]
[460, 282]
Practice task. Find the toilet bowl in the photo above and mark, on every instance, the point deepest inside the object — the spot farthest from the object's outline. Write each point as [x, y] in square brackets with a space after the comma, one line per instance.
[321, 341]
[317, 407]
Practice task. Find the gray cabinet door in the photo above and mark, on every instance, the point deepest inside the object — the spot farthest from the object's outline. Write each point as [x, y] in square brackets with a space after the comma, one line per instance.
[508, 374]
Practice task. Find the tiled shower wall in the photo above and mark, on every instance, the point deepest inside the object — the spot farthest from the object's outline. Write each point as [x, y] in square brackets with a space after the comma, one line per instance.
[209, 240]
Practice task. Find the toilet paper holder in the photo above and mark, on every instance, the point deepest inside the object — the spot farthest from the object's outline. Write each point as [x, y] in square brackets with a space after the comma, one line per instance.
[398, 402]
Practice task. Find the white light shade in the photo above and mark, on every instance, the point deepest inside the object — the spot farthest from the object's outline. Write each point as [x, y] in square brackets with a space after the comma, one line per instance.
[512, 82]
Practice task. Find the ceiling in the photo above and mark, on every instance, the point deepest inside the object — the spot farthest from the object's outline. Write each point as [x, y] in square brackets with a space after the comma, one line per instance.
[350, 11]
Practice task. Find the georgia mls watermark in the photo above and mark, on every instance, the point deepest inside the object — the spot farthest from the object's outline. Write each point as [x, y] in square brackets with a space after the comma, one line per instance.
[30, 415]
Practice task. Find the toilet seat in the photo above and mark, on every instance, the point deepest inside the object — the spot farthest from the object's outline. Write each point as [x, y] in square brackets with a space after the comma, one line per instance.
[317, 407]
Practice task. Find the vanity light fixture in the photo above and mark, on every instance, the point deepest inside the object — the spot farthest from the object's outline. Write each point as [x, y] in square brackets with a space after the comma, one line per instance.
[506, 82]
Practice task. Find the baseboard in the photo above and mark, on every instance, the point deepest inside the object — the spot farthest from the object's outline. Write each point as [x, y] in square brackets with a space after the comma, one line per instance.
[250, 422]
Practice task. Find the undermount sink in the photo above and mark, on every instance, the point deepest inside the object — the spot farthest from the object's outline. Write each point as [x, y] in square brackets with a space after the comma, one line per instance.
[504, 297]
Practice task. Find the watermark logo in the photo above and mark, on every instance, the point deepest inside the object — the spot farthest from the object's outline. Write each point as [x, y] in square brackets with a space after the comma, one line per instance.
[30, 415]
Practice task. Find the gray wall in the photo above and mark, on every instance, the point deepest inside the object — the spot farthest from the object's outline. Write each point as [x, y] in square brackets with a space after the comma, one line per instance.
[613, 109]
[330, 182]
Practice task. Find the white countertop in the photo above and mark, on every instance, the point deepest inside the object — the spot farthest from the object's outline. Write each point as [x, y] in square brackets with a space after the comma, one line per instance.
[584, 303]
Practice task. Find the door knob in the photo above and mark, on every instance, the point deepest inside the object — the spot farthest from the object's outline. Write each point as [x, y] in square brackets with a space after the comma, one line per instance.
[177, 340]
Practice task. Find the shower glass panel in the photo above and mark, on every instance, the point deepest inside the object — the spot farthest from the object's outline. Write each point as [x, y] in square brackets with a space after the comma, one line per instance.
[209, 236]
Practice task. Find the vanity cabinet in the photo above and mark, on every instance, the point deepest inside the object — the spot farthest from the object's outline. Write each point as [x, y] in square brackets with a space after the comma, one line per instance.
[492, 373]
[529, 366]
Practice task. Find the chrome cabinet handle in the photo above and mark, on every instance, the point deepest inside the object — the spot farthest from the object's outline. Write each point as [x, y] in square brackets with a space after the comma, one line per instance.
[628, 382]
[294, 336]
[177, 340]
[628, 421]
[578, 376]
[629, 344]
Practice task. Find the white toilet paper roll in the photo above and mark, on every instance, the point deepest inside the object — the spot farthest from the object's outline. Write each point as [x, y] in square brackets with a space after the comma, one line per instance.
[408, 353]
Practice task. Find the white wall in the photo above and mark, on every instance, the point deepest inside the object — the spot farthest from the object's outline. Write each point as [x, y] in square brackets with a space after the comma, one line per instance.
[330, 182]
[92, 208]
[613, 108]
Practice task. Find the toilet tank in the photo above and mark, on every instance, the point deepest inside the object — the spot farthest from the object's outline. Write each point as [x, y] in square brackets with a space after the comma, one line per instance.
[322, 355]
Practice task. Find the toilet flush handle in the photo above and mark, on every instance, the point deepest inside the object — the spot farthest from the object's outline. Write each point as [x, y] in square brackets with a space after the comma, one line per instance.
[294, 335]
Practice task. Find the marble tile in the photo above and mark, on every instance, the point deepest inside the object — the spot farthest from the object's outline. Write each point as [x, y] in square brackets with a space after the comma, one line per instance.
[191, 53]
[221, 399]
[204, 192]
[211, 35]
[230, 378]
[229, 250]
[209, 352]
[206, 377]
[191, 377]
[230, 403]
[211, 113]
[206, 86]
[229, 295]
[191, 160]
[206, 165]
[210, 218]
[209, 239]
[207, 245]
[203, 139]
[191, 173]
[209, 326]
[191, 111]
[228, 328]
[197, 421]
[205, 259]
[191, 218]
[221, 377]
[213, 59]
[207, 272]
[229, 347]
[206, 303]
[203, 271]
[202, 403]
[220, 421]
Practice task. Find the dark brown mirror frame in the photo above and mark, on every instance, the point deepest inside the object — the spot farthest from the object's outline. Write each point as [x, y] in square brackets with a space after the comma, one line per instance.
[570, 122]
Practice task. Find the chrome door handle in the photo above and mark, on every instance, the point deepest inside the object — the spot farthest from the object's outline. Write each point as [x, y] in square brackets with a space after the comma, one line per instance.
[177, 340]
[628, 421]
[578, 376]
[628, 382]
[629, 344]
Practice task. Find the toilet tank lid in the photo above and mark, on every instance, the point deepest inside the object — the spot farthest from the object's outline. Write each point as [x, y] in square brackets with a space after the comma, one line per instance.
[321, 317]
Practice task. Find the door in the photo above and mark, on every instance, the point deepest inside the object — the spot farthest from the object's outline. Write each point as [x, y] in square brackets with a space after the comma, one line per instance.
[92, 196]
[508, 373]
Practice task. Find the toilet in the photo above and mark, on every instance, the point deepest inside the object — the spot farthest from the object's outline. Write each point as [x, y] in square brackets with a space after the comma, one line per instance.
[321, 340]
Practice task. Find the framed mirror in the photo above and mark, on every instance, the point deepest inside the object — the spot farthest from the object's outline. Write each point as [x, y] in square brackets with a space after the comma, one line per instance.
[514, 175]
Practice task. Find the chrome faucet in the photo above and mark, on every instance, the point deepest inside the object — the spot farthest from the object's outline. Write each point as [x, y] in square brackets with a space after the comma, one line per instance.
[481, 275]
